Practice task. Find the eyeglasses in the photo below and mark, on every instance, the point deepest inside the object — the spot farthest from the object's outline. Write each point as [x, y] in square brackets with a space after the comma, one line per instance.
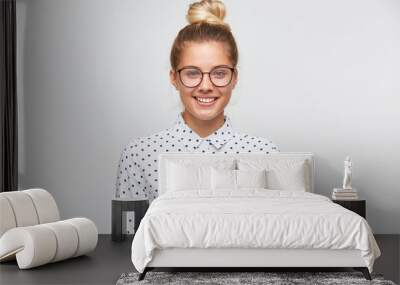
[220, 76]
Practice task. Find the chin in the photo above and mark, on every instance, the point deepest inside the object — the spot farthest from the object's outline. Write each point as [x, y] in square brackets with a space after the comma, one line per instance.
[205, 115]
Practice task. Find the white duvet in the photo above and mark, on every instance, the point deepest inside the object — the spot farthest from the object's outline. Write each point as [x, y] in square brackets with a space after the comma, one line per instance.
[251, 218]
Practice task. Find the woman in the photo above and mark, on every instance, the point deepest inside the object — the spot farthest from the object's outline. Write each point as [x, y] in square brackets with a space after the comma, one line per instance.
[203, 59]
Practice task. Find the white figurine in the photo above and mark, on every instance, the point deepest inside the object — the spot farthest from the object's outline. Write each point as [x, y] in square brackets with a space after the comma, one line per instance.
[347, 173]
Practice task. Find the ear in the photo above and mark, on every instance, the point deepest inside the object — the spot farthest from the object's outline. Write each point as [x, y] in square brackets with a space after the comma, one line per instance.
[173, 78]
[235, 78]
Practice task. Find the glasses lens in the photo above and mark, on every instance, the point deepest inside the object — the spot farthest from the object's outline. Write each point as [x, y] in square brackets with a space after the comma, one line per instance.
[190, 76]
[221, 76]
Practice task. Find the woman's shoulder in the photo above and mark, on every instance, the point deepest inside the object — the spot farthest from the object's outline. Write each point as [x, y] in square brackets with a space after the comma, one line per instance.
[145, 142]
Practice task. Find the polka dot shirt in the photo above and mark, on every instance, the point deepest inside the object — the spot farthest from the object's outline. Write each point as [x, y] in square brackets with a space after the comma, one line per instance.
[137, 176]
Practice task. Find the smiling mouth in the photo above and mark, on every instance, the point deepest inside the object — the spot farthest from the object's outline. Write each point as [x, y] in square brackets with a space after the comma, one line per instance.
[205, 101]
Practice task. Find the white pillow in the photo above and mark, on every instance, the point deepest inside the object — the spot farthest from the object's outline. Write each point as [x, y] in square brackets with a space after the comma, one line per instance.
[256, 178]
[183, 174]
[282, 174]
[183, 177]
[237, 179]
[223, 178]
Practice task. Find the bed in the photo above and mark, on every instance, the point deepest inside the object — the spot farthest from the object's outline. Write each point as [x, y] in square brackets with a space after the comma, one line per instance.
[247, 210]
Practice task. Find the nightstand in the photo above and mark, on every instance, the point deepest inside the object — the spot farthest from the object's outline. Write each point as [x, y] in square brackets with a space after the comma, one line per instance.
[117, 210]
[357, 206]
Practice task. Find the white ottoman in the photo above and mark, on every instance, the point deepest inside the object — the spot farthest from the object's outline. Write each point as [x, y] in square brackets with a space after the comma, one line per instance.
[31, 232]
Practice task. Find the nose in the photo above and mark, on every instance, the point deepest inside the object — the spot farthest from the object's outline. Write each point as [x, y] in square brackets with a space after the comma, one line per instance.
[206, 83]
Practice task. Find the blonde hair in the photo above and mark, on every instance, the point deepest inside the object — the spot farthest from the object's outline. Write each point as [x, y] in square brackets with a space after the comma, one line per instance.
[205, 24]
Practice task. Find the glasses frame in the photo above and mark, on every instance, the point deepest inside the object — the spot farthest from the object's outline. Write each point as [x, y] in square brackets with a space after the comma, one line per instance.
[202, 75]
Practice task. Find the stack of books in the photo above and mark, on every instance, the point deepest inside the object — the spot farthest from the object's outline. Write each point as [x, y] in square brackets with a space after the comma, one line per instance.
[344, 194]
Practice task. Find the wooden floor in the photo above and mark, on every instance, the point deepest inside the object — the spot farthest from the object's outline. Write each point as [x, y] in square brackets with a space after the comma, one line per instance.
[111, 259]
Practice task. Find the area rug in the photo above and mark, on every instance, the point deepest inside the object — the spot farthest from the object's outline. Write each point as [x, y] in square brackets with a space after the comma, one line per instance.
[269, 278]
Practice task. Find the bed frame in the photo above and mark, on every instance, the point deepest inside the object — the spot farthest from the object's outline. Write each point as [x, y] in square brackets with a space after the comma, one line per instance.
[248, 259]
[237, 259]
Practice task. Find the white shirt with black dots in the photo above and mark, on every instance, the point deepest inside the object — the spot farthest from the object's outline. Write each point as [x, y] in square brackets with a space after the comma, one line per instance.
[137, 176]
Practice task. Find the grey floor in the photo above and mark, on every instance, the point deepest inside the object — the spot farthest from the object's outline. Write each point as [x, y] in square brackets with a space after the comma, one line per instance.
[111, 259]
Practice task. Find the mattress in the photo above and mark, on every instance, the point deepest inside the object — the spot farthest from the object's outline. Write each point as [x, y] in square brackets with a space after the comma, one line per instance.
[250, 218]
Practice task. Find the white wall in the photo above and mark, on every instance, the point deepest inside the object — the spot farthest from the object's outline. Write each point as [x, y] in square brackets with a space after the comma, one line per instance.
[314, 76]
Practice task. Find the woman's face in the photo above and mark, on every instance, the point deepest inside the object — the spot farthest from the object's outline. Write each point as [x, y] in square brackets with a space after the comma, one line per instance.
[204, 56]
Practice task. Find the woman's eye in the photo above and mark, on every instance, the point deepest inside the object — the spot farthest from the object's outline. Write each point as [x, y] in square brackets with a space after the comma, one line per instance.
[219, 73]
[192, 73]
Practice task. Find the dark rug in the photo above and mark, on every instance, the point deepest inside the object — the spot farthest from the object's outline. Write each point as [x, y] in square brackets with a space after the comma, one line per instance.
[270, 278]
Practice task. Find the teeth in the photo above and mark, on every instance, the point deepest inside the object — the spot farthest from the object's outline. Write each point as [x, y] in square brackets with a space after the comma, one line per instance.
[205, 100]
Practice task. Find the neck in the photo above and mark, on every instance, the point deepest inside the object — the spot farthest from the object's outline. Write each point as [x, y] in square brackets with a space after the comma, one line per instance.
[201, 127]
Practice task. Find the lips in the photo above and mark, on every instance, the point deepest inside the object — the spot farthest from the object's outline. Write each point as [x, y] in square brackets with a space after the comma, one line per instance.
[205, 101]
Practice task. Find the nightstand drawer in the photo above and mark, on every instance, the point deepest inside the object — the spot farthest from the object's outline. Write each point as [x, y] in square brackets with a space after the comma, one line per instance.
[357, 206]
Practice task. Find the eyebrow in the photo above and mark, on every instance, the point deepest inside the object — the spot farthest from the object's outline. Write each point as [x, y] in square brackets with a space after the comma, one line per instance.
[221, 65]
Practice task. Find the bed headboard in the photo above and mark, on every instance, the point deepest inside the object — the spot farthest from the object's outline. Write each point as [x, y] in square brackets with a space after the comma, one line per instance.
[164, 158]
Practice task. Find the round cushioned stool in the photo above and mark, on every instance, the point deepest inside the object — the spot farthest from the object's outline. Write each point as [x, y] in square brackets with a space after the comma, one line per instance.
[31, 232]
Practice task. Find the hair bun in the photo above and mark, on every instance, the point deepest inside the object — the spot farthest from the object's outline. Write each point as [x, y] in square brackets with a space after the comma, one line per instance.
[208, 11]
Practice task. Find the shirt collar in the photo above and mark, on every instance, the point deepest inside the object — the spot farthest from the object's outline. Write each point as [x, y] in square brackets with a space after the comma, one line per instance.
[218, 138]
